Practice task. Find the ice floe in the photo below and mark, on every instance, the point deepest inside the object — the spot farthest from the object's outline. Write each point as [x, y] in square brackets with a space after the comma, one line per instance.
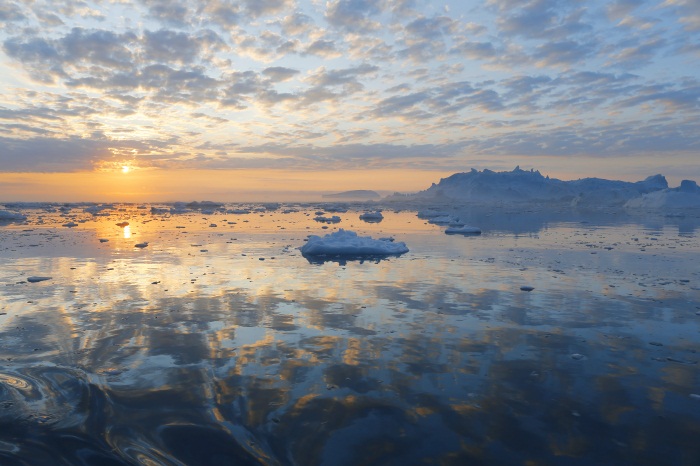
[9, 216]
[462, 230]
[372, 217]
[346, 243]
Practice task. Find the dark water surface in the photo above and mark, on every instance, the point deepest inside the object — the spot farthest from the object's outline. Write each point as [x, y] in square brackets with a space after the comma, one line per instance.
[222, 345]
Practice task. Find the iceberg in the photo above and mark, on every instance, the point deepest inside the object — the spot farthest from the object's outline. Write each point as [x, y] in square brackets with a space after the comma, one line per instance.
[686, 196]
[347, 244]
[490, 188]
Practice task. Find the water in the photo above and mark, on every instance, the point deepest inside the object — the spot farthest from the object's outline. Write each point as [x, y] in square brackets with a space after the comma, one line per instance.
[223, 345]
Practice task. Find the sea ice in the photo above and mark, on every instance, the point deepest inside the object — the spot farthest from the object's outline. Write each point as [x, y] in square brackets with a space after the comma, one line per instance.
[444, 220]
[686, 196]
[7, 216]
[462, 230]
[345, 243]
[37, 279]
[372, 216]
[323, 219]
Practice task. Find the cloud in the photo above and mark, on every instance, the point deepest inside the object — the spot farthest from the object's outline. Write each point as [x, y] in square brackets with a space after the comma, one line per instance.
[280, 73]
[201, 83]
[10, 11]
[356, 16]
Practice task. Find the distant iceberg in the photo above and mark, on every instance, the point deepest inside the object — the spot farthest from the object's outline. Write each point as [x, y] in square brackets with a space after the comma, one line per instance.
[490, 188]
[686, 196]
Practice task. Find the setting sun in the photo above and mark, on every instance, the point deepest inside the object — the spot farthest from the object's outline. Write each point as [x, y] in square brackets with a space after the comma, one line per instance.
[125, 169]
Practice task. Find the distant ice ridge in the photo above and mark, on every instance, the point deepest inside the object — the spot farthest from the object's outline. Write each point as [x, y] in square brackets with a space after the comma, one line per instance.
[345, 243]
[686, 196]
[488, 187]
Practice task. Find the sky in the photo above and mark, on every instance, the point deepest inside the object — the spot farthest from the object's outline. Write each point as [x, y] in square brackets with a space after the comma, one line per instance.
[170, 99]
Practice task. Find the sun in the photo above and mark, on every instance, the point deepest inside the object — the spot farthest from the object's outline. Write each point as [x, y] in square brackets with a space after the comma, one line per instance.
[126, 169]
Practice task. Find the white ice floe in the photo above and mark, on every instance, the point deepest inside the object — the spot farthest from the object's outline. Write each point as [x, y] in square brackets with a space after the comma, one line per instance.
[323, 219]
[426, 214]
[345, 243]
[375, 216]
[444, 220]
[462, 230]
[8, 216]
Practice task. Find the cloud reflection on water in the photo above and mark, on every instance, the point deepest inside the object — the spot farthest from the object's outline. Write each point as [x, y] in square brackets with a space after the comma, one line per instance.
[174, 354]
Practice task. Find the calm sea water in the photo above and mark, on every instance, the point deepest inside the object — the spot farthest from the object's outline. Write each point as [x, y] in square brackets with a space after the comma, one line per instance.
[219, 344]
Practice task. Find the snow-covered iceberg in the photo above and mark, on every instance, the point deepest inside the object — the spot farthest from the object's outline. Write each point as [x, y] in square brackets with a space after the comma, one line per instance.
[489, 188]
[686, 196]
[345, 244]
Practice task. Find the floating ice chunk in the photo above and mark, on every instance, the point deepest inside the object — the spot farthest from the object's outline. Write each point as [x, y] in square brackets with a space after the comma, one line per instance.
[344, 243]
[333, 219]
[425, 214]
[123, 224]
[141, 245]
[37, 279]
[444, 220]
[527, 288]
[372, 216]
[462, 230]
[70, 224]
[7, 216]
[96, 209]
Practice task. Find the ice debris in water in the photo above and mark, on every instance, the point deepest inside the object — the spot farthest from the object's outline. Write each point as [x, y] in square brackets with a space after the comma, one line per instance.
[37, 279]
[462, 230]
[141, 245]
[347, 243]
[527, 288]
[7, 216]
[372, 216]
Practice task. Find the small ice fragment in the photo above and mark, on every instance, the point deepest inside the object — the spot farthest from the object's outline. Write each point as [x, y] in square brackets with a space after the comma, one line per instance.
[70, 224]
[103, 240]
[656, 343]
[140, 245]
[123, 224]
[695, 396]
[527, 288]
[37, 279]
[577, 356]
[462, 230]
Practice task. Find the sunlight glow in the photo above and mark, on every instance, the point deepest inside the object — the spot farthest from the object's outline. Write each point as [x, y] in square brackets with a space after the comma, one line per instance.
[125, 169]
